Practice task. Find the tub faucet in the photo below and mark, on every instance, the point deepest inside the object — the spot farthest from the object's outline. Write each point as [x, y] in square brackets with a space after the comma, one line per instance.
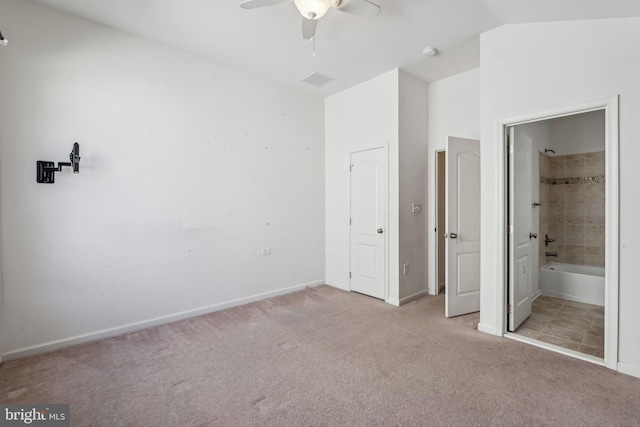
[547, 240]
[555, 254]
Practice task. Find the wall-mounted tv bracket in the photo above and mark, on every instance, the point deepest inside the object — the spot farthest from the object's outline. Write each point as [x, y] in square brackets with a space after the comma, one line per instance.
[46, 169]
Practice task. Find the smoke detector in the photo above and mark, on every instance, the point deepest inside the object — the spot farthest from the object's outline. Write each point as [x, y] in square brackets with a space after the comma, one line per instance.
[429, 51]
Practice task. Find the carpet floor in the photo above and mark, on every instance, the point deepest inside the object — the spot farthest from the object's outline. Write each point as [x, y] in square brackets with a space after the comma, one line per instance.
[322, 357]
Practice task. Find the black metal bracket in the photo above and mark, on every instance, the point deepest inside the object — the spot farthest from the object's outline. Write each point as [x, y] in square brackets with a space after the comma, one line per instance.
[45, 170]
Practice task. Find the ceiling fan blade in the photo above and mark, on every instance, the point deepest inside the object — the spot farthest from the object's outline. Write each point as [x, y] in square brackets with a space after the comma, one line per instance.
[309, 27]
[253, 4]
[361, 8]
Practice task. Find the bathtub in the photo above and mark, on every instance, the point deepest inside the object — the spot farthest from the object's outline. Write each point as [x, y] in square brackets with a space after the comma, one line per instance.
[582, 283]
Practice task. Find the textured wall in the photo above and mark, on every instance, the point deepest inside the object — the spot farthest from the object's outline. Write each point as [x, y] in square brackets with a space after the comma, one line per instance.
[573, 208]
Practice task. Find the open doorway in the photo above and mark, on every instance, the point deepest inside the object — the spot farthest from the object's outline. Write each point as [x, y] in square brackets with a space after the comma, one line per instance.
[557, 228]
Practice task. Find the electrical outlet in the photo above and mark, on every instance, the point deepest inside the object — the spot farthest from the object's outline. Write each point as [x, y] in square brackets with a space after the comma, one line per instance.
[406, 269]
[266, 251]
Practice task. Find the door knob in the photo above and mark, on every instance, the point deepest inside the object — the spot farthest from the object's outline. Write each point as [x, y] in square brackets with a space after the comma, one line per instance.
[533, 235]
[453, 236]
[380, 231]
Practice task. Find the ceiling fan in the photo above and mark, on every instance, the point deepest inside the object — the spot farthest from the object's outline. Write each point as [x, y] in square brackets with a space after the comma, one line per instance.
[312, 10]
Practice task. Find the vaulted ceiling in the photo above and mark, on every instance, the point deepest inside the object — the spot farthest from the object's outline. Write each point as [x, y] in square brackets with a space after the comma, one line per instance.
[349, 48]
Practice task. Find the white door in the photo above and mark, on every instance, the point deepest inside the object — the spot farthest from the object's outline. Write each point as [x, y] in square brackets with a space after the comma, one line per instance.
[368, 221]
[521, 241]
[462, 254]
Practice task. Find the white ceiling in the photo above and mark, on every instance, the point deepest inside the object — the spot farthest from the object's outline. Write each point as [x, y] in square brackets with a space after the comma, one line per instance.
[350, 49]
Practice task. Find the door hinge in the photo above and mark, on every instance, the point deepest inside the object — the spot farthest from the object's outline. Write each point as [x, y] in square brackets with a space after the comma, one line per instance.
[350, 223]
[349, 275]
[510, 229]
[350, 168]
[510, 149]
[509, 309]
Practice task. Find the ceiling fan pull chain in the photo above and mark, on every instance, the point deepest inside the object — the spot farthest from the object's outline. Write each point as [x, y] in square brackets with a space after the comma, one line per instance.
[313, 42]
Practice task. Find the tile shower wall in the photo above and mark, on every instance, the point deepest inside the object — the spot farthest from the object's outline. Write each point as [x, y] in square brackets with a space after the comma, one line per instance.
[572, 194]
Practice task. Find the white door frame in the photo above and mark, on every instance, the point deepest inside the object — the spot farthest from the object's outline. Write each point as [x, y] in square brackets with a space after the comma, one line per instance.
[434, 284]
[359, 149]
[610, 107]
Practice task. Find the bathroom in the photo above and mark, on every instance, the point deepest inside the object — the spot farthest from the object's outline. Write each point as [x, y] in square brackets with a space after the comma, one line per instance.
[567, 283]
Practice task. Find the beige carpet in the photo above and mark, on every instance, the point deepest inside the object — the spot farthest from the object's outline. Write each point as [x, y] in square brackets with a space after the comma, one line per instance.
[322, 357]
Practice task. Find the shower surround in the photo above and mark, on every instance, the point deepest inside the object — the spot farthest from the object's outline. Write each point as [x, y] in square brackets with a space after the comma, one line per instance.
[572, 194]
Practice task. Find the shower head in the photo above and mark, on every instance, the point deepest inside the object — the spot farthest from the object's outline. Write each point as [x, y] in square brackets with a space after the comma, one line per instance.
[547, 150]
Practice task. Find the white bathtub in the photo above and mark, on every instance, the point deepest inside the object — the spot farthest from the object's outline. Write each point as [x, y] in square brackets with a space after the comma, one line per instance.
[582, 283]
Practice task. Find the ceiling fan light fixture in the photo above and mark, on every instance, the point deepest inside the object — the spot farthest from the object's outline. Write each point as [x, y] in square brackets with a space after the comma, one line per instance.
[312, 9]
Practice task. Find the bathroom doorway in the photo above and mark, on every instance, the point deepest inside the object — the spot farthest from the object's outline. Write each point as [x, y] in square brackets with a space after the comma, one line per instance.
[557, 219]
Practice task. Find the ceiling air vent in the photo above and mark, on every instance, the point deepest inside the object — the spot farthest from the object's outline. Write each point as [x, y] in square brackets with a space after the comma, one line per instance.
[317, 79]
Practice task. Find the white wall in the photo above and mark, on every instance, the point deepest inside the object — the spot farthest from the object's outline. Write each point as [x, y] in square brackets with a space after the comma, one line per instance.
[389, 110]
[454, 110]
[188, 169]
[578, 133]
[360, 117]
[518, 78]
[413, 155]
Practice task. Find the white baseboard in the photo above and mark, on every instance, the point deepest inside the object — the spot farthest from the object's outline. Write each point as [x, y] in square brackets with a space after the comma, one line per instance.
[132, 327]
[393, 301]
[624, 368]
[536, 295]
[414, 297]
[483, 327]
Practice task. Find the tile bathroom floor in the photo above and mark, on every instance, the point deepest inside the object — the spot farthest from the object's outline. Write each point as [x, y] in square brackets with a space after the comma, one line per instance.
[569, 324]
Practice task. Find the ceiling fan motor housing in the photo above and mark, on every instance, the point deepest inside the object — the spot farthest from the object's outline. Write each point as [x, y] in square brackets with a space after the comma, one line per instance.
[313, 10]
